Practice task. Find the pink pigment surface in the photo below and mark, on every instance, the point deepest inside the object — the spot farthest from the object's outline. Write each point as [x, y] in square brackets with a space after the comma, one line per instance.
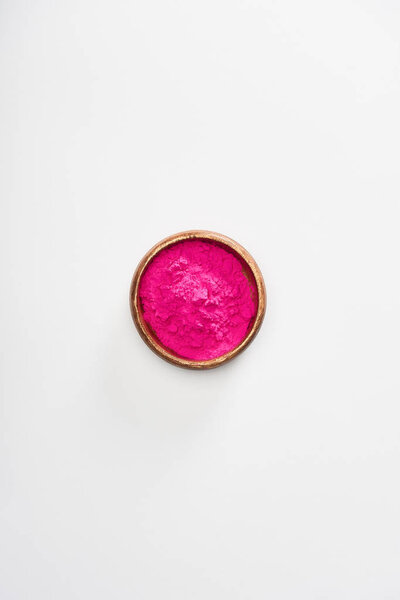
[197, 299]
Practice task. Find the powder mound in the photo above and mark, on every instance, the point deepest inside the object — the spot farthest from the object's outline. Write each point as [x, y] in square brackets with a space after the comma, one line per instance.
[197, 299]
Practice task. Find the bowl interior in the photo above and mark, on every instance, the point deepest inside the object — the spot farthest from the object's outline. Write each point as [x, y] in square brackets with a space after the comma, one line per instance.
[246, 270]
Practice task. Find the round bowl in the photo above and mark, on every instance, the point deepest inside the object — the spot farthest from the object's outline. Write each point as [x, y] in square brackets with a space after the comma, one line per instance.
[251, 271]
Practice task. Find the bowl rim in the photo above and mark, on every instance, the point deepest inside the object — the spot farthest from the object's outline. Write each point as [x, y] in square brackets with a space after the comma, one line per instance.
[142, 328]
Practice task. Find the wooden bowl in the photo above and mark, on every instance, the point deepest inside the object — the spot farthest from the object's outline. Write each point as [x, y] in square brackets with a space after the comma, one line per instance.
[251, 271]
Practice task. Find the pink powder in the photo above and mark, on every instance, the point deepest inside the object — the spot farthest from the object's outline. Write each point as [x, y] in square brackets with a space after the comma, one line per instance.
[197, 299]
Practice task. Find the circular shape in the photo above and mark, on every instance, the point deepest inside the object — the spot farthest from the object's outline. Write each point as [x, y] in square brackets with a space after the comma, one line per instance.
[197, 299]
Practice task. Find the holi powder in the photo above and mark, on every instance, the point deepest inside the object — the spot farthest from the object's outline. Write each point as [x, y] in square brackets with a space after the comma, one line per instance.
[197, 299]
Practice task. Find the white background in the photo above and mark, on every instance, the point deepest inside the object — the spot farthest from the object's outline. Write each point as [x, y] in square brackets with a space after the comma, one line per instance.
[274, 477]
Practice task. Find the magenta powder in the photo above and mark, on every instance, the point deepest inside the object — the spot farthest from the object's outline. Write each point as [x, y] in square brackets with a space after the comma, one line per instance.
[197, 299]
